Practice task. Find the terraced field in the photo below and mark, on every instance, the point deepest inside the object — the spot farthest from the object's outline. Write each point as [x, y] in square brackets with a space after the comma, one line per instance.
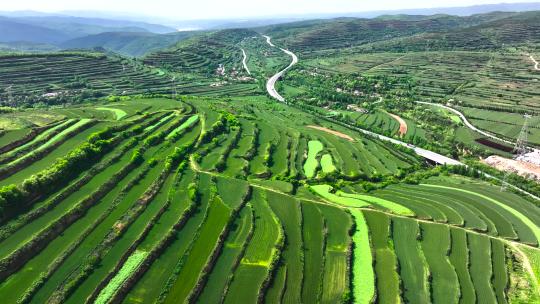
[193, 202]
[222, 195]
[492, 89]
[75, 77]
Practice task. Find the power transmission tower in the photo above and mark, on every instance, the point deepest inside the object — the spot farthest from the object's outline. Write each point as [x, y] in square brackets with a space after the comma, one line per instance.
[520, 148]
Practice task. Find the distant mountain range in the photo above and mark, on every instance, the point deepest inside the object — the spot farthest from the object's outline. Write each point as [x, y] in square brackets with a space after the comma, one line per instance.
[135, 36]
[26, 31]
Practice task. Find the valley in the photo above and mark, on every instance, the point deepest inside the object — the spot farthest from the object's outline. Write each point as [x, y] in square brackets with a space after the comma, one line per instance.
[320, 161]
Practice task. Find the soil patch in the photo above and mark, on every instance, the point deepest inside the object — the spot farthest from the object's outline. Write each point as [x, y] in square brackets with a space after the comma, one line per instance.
[336, 133]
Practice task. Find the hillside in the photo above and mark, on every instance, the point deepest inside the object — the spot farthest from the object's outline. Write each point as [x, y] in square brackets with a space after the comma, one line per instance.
[13, 31]
[80, 25]
[521, 29]
[323, 161]
[135, 44]
[57, 29]
[443, 29]
[211, 199]
[204, 53]
[72, 77]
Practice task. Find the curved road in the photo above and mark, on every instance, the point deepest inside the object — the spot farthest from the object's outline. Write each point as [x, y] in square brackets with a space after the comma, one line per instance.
[244, 62]
[271, 83]
[536, 63]
[430, 155]
[465, 121]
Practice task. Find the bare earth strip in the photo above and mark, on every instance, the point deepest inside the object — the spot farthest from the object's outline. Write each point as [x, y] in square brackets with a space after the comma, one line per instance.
[336, 133]
[510, 165]
[402, 124]
[536, 63]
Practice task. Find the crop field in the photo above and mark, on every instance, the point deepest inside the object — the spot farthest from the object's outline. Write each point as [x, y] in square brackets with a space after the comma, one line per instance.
[167, 214]
[173, 179]
[492, 89]
[162, 199]
[162, 210]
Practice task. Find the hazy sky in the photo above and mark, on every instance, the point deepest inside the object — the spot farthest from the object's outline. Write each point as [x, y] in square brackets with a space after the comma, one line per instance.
[204, 9]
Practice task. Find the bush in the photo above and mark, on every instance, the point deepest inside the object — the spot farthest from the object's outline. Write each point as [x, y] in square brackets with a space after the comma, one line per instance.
[16, 199]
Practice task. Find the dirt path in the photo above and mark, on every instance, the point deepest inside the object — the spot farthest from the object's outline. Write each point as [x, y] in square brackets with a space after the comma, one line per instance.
[333, 132]
[536, 63]
[466, 121]
[402, 124]
[526, 263]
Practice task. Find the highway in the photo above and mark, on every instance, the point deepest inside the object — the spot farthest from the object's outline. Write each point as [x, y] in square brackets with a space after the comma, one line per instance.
[271, 83]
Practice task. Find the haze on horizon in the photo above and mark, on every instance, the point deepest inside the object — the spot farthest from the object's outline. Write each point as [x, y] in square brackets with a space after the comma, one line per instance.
[208, 9]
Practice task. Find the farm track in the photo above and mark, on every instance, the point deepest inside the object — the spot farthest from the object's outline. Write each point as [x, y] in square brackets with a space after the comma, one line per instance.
[536, 63]
[244, 62]
[402, 124]
[466, 122]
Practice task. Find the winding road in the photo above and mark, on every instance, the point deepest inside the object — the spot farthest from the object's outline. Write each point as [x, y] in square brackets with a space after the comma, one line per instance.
[536, 63]
[466, 122]
[427, 154]
[271, 83]
[244, 62]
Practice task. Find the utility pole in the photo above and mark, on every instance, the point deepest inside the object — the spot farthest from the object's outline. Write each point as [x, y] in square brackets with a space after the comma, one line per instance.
[520, 148]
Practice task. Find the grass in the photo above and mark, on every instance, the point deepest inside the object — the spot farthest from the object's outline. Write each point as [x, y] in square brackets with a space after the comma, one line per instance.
[435, 245]
[235, 242]
[336, 265]
[459, 257]
[289, 213]
[314, 242]
[199, 255]
[393, 207]
[385, 258]
[327, 164]
[254, 265]
[45, 162]
[363, 276]
[131, 265]
[162, 269]
[118, 113]
[186, 124]
[412, 263]
[311, 164]
[324, 191]
[522, 217]
[481, 268]
[500, 276]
